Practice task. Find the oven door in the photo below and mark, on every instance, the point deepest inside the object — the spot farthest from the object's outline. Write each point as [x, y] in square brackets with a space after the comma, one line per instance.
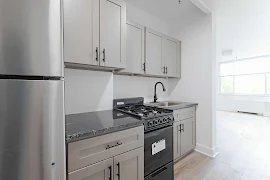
[158, 149]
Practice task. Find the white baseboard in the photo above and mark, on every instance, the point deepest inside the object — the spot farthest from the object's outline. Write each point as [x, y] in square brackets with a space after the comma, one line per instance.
[211, 152]
[266, 114]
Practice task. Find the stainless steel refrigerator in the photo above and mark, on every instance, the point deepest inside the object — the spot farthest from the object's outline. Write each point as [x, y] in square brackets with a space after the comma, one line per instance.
[32, 136]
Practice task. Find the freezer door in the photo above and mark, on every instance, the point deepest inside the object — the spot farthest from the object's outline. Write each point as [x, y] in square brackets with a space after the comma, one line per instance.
[31, 38]
[32, 144]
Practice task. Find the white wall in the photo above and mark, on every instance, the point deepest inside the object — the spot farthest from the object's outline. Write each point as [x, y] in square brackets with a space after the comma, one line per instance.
[244, 27]
[88, 91]
[129, 86]
[197, 79]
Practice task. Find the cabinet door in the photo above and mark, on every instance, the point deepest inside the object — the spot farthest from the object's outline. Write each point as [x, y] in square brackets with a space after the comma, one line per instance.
[187, 135]
[176, 140]
[135, 48]
[154, 53]
[99, 171]
[129, 165]
[172, 57]
[81, 31]
[113, 33]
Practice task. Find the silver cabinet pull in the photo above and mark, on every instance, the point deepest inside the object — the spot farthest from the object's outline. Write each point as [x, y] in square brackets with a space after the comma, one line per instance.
[118, 174]
[110, 176]
[104, 55]
[166, 70]
[144, 67]
[180, 126]
[96, 53]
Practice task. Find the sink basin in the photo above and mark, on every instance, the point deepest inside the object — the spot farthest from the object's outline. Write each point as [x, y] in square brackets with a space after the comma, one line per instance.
[166, 104]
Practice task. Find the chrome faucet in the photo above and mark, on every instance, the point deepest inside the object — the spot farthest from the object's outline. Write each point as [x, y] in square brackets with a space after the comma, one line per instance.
[155, 97]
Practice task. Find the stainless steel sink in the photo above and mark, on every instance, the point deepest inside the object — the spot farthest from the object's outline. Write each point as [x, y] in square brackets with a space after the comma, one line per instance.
[166, 104]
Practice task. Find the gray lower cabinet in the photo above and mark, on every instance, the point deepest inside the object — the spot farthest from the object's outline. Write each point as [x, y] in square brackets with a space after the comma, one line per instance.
[176, 140]
[187, 133]
[184, 133]
[118, 155]
[99, 171]
[129, 165]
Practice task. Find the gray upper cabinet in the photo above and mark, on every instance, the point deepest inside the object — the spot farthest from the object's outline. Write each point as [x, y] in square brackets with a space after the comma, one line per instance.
[94, 33]
[130, 165]
[113, 33]
[135, 48]
[99, 171]
[81, 31]
[172, 57]
[187, 135]
[154, 53]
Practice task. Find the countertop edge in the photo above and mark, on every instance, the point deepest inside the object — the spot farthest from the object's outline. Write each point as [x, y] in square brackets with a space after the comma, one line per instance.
[95, 133]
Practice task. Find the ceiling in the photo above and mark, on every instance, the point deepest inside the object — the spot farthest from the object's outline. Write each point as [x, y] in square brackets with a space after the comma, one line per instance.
[170, 11]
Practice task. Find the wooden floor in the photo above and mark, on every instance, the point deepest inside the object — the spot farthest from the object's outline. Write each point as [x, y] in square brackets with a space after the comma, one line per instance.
[244, 151]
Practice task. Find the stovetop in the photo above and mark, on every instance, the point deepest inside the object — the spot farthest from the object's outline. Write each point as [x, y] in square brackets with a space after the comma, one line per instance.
[144, 112]
[153, 117]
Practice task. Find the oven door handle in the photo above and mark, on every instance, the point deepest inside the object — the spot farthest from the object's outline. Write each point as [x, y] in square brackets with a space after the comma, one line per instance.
[159, 171]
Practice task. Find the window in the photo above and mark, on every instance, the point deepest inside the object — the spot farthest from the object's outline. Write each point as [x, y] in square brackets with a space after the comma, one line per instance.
[226, 84]
[250, 76]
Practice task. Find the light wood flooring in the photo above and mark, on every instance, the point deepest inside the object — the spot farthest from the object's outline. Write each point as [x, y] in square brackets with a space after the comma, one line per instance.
[244, 151]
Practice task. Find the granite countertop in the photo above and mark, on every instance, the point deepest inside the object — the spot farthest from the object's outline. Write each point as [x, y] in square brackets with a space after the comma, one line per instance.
[87, 125]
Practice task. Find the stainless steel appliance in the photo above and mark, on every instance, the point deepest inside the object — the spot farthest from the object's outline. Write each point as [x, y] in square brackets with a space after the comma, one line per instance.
[158, 138]
[32, 136]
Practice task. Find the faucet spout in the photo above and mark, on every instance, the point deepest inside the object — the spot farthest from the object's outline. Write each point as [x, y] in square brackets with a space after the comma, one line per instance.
[155, 93]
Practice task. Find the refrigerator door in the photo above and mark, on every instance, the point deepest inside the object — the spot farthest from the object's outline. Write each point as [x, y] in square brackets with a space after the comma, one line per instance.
[32, 137]
[31, 38]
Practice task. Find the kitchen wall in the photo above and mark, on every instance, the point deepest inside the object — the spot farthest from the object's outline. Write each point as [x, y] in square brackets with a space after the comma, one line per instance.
[128, 86]
[198, 79]
[243, 26]
[88, 91]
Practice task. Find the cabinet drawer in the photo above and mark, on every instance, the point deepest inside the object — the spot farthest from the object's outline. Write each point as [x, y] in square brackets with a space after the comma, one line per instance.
[100, 170]
[86, 152]
[182, 114]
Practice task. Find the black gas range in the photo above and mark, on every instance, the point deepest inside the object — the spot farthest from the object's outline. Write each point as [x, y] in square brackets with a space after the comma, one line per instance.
[153, 117]
[158, 137]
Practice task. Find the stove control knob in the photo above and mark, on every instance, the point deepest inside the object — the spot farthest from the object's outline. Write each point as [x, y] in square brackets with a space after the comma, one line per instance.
[169, 119]
[155, 122]
[149, 124]
[160, 121]
[165, 120]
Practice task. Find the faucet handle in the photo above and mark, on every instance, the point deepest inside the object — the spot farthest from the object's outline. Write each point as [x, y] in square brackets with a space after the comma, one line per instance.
[155, 98]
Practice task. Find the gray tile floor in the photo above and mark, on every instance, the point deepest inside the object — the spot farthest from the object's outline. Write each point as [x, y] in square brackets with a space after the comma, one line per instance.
[244, 151]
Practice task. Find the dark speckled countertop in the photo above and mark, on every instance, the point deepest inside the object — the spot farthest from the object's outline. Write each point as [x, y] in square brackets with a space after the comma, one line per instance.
[87, 125]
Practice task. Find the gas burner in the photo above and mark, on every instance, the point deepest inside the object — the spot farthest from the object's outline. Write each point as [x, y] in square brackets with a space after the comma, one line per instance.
[153, 117]
[144, 111]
